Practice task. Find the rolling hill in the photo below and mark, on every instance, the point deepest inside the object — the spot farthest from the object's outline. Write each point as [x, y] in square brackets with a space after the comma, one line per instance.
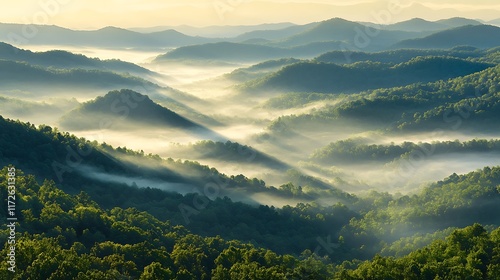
[479, 36]
[246, 52]
[259, 70]
[394, 56]
[224, 51]
[332, 78]
[22, 76]
[115, 107]
[67, 60]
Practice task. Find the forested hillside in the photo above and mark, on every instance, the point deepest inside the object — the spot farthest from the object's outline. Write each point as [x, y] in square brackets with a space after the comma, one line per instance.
[192, 140]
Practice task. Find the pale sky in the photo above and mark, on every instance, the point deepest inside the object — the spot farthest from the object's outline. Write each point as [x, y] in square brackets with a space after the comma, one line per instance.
[93, 14]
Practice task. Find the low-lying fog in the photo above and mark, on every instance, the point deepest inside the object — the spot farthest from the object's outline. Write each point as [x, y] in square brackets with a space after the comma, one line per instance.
[246, 121]
[129, 55]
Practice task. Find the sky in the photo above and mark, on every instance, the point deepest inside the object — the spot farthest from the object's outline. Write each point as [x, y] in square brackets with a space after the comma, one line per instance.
[94, 14]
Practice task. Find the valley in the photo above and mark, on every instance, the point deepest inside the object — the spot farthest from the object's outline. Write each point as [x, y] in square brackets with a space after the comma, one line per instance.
[236, 151]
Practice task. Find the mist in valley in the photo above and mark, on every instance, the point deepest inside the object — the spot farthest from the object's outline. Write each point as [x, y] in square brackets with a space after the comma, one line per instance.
[328, 149]
[209, 114]
[205, 93]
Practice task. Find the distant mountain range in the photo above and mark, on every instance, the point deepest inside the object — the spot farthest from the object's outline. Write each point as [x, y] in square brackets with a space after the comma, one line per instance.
[224, 51]
[480, 36]
[276, 34]
[106, 37]
[216, 31]
[364, 36]
[347, 31]
[421, 25]
[495, 22]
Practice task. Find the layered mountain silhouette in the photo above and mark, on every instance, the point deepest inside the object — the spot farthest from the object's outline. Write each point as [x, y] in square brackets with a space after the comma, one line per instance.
[479, 36]
[422, 25]
[105, 37]
[337, 29]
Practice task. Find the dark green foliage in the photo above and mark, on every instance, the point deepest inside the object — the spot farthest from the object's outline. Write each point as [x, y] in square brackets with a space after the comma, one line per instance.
[469, 253]
[70, 237]
[461, 103]
[352, 151]
[393, 56]
[457, 201]
[36, 150]
[332, 78]
[61, 236]
[13, 75]
[119, 109]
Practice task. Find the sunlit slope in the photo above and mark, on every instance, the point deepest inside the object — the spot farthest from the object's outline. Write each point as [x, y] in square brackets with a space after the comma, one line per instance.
[64, 157]
[332, 78]
[405, 107]
[396, 56]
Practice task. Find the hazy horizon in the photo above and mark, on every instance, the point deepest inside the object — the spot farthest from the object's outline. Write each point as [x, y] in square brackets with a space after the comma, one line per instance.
[131, 14]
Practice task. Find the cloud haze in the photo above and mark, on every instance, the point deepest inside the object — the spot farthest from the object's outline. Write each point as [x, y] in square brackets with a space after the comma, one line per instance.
[133, 13]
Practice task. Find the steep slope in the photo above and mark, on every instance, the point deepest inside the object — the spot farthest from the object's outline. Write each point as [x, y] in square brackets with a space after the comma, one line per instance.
[479, 36]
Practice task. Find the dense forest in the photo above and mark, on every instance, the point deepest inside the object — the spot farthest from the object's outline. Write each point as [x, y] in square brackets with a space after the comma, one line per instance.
[73, 237]
[333, 78]
[333, 149]
[378, 223]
